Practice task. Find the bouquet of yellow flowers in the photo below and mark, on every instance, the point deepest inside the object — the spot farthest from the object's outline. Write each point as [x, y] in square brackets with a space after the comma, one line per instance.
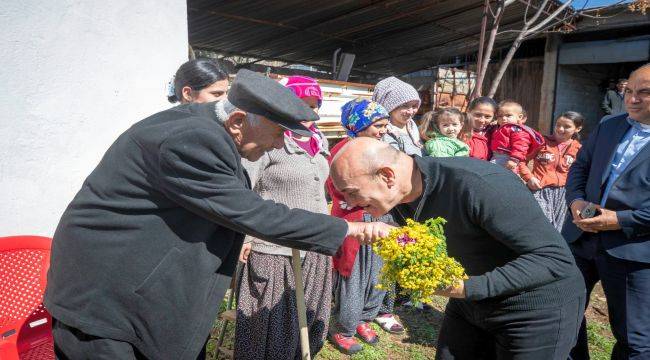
[415, 256]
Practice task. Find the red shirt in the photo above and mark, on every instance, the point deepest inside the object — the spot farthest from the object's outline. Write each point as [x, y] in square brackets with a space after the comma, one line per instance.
[343, 260]
[479, 146]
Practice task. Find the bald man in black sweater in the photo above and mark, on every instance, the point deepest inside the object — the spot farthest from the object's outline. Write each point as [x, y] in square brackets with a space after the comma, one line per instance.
[524, 296]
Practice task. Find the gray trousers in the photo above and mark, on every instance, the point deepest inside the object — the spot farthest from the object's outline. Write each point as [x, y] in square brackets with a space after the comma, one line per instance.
[356, 298]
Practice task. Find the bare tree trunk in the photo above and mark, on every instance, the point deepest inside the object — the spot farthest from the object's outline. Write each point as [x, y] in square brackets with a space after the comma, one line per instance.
[476, 91]
[525, 31]
[488, 49]
[504, 65]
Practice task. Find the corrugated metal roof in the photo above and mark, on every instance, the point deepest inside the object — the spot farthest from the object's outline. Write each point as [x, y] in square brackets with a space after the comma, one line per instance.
[387, 37]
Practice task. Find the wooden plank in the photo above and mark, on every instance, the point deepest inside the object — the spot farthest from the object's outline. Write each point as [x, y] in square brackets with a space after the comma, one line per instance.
[549, 77]
[522, 82]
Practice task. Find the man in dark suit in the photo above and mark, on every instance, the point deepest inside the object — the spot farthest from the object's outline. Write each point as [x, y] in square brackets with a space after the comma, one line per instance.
[144, 253]
[612, 172]
[613, 103]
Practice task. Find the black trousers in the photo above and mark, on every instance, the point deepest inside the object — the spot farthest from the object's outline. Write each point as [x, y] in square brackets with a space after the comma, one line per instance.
[627, 288]
[73, 344]
[470, 331]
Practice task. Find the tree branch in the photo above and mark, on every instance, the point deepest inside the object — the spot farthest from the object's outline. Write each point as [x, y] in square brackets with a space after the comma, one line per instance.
[551, 17]
[480, 76]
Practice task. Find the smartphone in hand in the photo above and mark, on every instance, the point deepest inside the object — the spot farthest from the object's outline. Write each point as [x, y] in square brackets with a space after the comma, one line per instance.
[590, 210]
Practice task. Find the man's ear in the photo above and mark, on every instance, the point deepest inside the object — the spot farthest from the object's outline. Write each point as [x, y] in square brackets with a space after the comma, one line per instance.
[387, 175]
[235, 123]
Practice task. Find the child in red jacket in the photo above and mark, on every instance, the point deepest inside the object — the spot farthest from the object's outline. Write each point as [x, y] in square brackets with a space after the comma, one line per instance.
[551, 165]
[513, 142]
[481, 111]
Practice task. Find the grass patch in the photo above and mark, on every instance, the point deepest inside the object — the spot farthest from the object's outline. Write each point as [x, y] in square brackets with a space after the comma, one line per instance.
[601, 340]
[419, 340]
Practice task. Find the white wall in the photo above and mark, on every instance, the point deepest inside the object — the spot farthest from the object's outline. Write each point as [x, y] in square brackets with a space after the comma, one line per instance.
[73, 76]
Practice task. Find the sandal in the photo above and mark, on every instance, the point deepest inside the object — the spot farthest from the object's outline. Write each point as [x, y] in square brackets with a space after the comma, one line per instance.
[389, 323]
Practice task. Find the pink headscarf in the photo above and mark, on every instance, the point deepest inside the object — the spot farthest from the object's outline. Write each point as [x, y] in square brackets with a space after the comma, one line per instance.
[302, 87]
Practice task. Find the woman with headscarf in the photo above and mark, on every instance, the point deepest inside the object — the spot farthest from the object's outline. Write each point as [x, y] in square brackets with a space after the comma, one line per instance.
[267, 318]
[357, 301]
[402, 102]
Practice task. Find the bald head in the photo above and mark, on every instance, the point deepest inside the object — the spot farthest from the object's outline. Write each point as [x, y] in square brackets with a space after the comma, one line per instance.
[637, 94]
[364, 156]
[374, 176]
[643, 70]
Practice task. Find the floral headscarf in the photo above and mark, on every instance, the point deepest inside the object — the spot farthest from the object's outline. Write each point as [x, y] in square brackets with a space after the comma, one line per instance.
[358, 114]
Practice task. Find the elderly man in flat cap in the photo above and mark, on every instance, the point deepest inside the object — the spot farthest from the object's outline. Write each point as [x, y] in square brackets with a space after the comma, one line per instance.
[524, 297]
[144, 253]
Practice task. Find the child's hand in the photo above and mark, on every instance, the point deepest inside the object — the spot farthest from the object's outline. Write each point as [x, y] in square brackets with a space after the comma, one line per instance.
[534, 184]
[511, 164]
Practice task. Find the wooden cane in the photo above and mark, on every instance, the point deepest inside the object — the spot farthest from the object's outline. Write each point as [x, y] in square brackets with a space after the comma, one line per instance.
[300, 302]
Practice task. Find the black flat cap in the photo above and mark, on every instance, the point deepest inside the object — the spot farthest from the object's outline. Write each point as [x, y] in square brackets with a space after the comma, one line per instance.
[257, 94]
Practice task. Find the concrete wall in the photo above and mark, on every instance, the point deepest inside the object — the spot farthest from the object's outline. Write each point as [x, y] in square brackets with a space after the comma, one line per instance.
[73, 76]
[581, 88]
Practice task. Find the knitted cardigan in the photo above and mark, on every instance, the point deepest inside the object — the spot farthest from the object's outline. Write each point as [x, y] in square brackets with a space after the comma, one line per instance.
[406, 141]
[291, 177]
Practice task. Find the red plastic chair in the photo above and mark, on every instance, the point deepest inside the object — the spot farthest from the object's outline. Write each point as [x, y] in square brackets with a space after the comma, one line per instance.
[25, 325]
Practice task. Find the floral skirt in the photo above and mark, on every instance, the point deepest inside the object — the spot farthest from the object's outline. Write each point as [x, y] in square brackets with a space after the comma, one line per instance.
[267, 318]
[553, 203]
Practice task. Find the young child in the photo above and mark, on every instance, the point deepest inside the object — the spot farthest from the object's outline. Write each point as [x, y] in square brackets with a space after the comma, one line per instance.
[402, 102]
[551, 164]
[513, 142]
[445, 132]
[357, 301]
[481, 112]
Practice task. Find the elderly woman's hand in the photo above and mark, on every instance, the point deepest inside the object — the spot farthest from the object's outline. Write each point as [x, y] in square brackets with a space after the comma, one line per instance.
[368, 232]
[245, 252]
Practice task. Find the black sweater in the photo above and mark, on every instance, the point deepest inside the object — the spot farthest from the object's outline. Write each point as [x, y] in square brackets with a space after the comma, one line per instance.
[497, 231]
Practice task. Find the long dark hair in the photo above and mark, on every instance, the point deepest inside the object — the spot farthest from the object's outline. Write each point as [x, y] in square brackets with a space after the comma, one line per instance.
[577, 118]
[483, 100]
[197, 74]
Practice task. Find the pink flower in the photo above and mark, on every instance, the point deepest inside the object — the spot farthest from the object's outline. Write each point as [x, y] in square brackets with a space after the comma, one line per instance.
[405, 239]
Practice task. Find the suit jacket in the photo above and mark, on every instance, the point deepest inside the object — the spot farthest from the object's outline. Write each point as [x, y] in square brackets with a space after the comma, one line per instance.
[145, 251]
[629, 196]
[612, 103]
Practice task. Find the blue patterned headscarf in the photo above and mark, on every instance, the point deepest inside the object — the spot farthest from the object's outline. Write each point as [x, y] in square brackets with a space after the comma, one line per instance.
[358, 114]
